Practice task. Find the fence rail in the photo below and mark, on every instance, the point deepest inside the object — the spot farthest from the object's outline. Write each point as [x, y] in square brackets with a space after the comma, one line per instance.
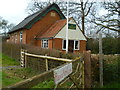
[77, 76]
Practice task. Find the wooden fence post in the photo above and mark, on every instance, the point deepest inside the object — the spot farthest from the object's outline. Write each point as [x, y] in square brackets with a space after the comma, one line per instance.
[87, 69]
[25, 58]
[83, 76]
[22, 58]
[46, 63]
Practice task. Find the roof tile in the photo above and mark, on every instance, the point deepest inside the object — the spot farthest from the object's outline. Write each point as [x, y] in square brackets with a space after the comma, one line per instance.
[53, 30]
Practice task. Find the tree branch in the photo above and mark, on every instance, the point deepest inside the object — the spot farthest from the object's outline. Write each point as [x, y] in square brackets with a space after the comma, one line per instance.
[107, 27]
[89, 9]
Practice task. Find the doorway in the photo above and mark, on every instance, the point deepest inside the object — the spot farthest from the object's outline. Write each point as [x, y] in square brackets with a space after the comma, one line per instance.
[70, 46]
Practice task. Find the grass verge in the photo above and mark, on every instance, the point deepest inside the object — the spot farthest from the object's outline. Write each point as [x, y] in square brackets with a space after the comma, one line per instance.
[12, 76]
[7, 61]
[46, 84]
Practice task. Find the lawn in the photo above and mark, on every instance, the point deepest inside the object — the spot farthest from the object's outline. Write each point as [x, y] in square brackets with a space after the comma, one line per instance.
[7, 61]
[46, 84]
[14, 75]
[11, 76]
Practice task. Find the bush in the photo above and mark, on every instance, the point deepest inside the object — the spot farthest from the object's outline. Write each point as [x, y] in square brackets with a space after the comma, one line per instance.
[13, 50]
[110, 71]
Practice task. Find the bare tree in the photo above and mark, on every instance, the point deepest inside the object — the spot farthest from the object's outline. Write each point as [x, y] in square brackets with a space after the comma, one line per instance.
[110, 20]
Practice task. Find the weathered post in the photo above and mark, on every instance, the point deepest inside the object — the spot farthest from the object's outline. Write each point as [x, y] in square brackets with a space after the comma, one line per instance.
[22, 58]
[87, 69]
[25, 58]
[100, 60]
[46, 63]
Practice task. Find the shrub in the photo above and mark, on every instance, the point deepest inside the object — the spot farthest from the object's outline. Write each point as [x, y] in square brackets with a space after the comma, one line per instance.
[13, 50]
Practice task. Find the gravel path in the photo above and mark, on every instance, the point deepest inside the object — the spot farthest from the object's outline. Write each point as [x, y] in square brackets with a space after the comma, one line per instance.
[9, 67]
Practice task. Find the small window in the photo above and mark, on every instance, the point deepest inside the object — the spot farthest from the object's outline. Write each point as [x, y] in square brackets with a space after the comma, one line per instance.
[21, 37]
[52, 14]
[45, 43]
[72, 26]
[76, 45]
[64, 44]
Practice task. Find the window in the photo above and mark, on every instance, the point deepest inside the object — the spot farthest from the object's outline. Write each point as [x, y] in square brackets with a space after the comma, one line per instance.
[45, 43]
[76, 45]
[72, 26]
[52, 14]
[64, 44]
[21, 37]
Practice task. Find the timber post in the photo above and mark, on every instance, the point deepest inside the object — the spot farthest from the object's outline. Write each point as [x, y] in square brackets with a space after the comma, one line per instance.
[22, 63]
[46, 63]
[25, 59]
[87, 69]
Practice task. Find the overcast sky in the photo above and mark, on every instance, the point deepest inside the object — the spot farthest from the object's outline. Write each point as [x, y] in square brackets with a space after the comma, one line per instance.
[15, 10]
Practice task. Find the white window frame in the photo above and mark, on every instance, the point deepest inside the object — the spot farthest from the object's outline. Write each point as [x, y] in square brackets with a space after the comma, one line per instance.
[44, 43]
[21, 38]
[63, 44]
[78, 45]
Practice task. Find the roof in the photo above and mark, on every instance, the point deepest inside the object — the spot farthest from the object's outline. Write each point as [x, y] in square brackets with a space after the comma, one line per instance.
[31, 19]
[53, 30]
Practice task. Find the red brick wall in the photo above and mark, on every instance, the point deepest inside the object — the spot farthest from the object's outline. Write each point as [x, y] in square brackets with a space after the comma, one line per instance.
[57, 44]
[40, 26]
[82, 46]
[15, 37]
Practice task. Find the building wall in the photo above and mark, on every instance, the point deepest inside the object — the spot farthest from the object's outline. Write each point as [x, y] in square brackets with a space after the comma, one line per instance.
[15, 37]
[72, 34]
[82, 46]
[57, 44]
[41, 25]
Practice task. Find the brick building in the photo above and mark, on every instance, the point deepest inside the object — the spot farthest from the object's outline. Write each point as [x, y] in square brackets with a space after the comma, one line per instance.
[47, 29]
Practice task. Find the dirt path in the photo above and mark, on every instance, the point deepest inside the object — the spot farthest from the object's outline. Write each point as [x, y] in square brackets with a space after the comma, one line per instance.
[9, 67]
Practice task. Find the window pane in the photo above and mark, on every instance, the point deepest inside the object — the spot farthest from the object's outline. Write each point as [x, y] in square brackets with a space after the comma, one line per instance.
[21, 36]
[64, 44]
[76, 44]
[44, 43]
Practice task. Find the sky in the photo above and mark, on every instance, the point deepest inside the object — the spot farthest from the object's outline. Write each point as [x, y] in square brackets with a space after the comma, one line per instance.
[14, 11]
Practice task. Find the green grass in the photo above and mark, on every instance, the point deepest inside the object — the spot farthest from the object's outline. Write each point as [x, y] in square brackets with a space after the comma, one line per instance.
[46, 84]
[0, 79]
[0, 60]
[7, 61]
[12, 76]
[113, 85]
[8, 80]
